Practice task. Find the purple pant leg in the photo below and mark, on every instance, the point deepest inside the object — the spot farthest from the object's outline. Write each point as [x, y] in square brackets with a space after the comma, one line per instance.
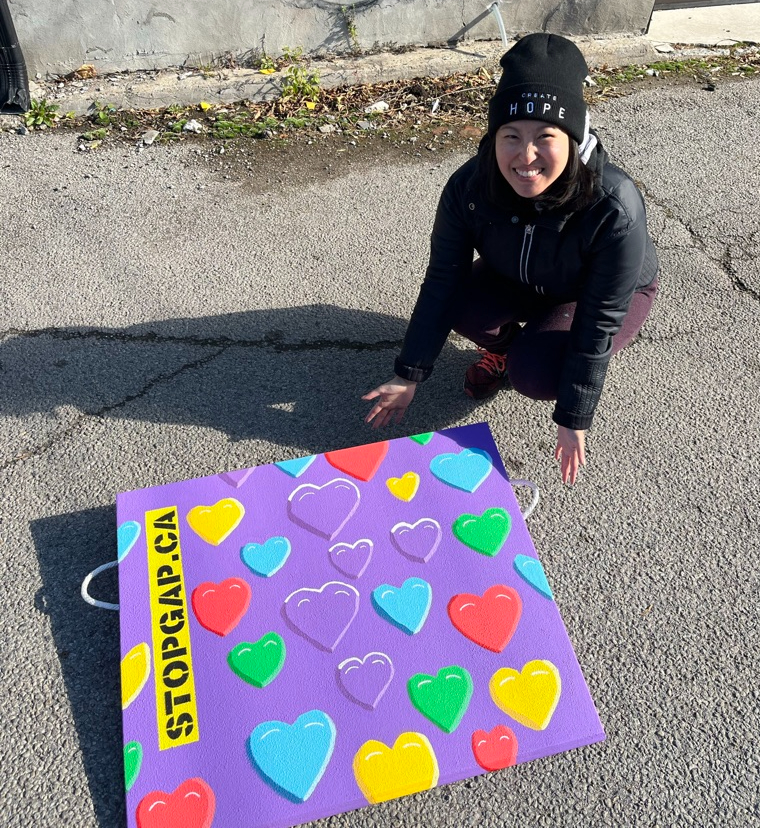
[536, 356]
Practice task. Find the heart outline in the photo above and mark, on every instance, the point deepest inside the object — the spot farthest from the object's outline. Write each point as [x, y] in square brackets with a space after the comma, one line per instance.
[349, 665]
[328, 638]
[328, 531]
[409, 531]
[334, 553]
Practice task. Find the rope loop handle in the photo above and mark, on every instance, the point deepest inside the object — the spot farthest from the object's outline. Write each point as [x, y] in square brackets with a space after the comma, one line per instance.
[86, 583]
[534, 500]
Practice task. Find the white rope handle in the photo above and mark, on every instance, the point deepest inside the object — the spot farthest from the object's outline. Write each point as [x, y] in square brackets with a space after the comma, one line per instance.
[534, 500]
[86, 583]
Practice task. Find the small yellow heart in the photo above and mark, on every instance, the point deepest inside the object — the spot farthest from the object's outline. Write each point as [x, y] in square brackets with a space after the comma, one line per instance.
[214, 523]
[530, 697]
[135, 669]
[384, 773]
[404, 488]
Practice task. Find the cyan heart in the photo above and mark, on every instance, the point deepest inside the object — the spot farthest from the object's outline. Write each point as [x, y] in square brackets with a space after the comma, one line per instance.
[407, 606]
[266, 558]
[297, 466]
[465, 471]
[292, 758]
[126, 537]
[531, 571]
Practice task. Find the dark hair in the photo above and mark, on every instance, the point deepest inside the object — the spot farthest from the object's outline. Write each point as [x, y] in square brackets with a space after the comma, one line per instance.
[572, 191]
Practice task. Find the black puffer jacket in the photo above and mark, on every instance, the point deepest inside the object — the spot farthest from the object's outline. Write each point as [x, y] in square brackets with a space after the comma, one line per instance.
[597, 257]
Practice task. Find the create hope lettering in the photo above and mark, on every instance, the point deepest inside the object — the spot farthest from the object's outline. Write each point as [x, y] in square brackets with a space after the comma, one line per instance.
[536, 103]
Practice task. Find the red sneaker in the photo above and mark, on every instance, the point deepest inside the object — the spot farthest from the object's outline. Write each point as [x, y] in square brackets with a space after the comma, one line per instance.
[486, 376]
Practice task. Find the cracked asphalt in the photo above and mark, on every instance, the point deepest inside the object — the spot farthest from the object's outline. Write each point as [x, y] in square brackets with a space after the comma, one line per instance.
[163, 319]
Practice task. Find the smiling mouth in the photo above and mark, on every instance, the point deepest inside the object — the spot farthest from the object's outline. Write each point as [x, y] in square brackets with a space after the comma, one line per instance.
[527, 173]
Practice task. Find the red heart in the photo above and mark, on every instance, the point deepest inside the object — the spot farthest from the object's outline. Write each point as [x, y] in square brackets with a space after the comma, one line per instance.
[495, 750]
[219, 607]
[360, 462]
[191, 805]
[489, 621]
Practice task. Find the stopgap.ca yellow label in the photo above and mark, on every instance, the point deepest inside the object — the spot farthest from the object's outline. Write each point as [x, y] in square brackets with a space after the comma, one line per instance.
[176, 709]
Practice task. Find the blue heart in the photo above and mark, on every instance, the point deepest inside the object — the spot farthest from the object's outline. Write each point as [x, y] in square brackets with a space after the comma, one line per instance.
[531, 571]
[126, 537]
[292, 758]
[266, 558]
[407, 606]
[465, 471]
[295, 468]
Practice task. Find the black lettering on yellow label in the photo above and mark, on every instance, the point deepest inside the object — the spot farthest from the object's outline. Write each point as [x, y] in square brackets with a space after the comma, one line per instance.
[176, 708]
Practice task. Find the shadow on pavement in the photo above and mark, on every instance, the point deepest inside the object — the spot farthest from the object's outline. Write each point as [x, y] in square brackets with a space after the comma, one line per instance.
[87, 643]
[291, 376]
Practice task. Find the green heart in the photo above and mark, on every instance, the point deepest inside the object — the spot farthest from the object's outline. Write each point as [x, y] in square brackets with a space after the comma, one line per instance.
[443, 699]
[485, 534]
[260, 662]
[423, 439]
[133, 754]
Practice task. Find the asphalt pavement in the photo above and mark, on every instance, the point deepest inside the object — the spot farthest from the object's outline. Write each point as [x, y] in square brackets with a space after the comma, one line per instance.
[165, 318]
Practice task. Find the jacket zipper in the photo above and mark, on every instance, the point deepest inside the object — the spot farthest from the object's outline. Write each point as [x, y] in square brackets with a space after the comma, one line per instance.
[525, 254]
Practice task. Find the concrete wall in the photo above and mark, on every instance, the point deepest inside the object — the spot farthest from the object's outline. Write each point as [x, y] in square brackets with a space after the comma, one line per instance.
[58, 36]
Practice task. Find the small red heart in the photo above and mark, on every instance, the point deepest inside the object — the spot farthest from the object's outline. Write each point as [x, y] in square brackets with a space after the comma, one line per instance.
[489, 621]
[360, 462]
[191, 805]
[495, 750]
[219, 607]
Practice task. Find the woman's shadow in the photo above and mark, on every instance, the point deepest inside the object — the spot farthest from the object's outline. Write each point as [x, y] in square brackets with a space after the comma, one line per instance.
[292, 377]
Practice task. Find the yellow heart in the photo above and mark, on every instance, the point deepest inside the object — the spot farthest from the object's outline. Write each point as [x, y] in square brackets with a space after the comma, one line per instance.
[214, 523]
[384, 773]
[404, 488]
[135, 669]
[530, 697]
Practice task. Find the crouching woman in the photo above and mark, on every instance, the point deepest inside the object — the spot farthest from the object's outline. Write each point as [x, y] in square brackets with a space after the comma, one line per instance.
[566, 271]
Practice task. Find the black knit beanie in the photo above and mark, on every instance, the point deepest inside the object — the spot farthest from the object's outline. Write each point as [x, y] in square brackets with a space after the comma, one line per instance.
[543, 81]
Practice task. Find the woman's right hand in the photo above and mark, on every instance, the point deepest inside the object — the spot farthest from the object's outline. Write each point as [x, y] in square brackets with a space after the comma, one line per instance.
[393, 398]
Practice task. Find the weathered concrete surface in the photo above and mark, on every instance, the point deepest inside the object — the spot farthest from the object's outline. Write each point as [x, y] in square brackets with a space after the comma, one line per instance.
[164, 316]
[161, 89]
[715, 26]
[57, 36]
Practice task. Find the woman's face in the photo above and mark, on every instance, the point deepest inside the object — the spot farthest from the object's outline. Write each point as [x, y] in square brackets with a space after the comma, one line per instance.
[531, 155]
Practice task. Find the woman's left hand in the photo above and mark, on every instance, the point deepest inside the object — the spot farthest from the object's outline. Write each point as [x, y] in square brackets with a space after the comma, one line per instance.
[571, 452]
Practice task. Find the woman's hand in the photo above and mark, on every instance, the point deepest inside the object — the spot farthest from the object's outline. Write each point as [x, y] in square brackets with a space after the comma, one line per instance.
[571, 452]
[393, 398]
